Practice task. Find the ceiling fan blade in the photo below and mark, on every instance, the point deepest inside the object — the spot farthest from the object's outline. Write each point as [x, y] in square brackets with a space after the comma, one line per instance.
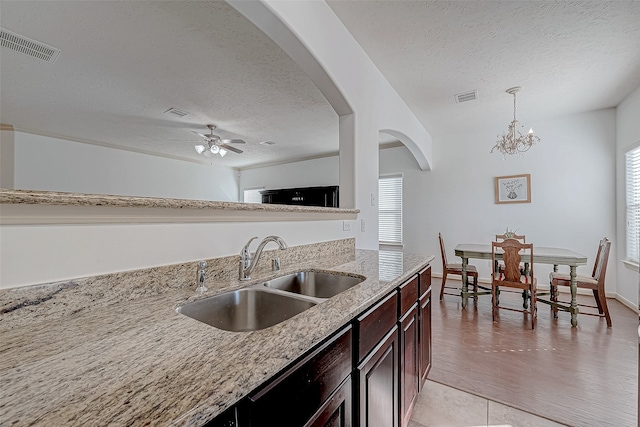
[201, 135]
[230, 148]
[232, 141]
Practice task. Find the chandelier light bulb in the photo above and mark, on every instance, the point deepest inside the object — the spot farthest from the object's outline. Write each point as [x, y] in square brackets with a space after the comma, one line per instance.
[215, 149]
[200, 148]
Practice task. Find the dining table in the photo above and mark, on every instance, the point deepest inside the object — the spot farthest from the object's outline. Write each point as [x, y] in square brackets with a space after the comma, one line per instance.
[541, 255]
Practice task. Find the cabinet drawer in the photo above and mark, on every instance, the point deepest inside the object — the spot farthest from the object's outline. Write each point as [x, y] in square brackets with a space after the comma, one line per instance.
[375, 323]
[425, 280]
[408, 295]
[295, 396]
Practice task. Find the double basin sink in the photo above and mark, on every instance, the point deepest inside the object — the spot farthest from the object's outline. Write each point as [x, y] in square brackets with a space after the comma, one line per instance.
[266, 304]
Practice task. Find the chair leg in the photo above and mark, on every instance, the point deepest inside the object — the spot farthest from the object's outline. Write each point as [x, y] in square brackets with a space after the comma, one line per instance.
[475, 290]
[444, 280]
[494, 302]
[554, 299]
[603, 303]
[534, 309]
[597, 298]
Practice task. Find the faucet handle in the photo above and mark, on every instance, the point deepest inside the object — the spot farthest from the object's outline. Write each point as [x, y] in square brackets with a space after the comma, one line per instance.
[200, 277]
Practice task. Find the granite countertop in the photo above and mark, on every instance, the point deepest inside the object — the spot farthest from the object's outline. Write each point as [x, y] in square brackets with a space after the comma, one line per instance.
[32, 197]
[136, 361]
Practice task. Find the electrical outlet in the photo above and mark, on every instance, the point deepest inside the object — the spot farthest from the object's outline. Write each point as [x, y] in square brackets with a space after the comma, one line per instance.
[362, 225]
[346, 226]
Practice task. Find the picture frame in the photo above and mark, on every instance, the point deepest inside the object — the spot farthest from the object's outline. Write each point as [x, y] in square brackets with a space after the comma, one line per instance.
[513, 189]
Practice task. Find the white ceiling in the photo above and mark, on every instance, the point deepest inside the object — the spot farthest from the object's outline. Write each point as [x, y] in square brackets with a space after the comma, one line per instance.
[123, 64]
[568, 56]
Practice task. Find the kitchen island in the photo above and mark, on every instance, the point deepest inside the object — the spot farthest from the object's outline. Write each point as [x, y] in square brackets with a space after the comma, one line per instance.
[114, 351]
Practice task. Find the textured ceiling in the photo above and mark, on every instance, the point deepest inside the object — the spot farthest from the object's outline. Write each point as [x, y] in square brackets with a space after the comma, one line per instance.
[569, 56]
[123, 64]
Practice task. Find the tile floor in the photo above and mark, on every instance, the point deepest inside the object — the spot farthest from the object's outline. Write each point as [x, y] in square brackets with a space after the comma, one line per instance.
[439, 405]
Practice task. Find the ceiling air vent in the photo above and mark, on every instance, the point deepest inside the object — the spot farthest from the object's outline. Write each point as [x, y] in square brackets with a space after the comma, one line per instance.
[176, 112]
[27, 46]
[466, 96]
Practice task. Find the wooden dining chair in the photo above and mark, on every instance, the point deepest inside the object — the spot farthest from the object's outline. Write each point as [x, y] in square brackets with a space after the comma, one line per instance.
[505, 236]
[523, 268]
[595, 282]
[513, 252]
[455, 269]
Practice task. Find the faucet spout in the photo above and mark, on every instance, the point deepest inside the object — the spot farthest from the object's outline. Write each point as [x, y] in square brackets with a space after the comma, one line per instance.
[248, 263]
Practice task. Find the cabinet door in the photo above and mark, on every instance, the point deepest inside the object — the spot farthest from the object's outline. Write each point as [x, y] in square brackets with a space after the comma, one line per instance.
[375, 324]
[409, 355]
[336, 411]
[425, 280]
[424, 338]
[378, 384]
[292, 398]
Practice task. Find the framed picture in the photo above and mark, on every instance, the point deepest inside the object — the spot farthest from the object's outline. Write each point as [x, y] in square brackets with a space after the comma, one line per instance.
[513, 189]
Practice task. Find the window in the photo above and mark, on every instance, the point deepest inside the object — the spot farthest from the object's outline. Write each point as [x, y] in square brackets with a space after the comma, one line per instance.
[632, 172]
[390, 209]
[252, 195]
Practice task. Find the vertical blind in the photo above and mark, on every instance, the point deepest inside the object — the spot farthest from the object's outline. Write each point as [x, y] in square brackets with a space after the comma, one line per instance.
[390, 209]
[632, 160]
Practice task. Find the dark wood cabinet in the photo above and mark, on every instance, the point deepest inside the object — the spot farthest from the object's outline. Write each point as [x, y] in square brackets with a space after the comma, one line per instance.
[375, 323]
[227, 419]
[409, 356]
[424, 325]
[378, 384]
[366, 375]
[336, 411]
[296, 395]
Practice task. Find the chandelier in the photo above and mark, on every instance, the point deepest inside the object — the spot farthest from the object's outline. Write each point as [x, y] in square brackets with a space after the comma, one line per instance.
[513, 141]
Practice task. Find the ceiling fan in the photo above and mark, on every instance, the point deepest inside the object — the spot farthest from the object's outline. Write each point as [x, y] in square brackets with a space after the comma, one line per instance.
[213, 144]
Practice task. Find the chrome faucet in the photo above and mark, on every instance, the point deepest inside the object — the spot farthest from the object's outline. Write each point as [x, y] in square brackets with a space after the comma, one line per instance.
[248, 262]
[202, 265]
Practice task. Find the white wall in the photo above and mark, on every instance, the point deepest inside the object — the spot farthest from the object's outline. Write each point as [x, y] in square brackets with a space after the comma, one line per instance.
[627, 136]
[572, 190]
[42, 254]
[53, 164]
[366, 103]
[572, 184]
[308, 173]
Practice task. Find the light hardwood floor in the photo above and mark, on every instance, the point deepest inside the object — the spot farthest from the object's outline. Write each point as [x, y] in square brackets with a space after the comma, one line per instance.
[584, 376]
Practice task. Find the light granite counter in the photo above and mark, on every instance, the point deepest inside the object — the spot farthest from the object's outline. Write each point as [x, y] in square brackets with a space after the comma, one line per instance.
[50, 207]
[112, 350]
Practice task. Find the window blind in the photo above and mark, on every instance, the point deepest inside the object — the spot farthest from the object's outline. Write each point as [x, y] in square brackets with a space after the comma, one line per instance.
[632, 172]
[390, 209]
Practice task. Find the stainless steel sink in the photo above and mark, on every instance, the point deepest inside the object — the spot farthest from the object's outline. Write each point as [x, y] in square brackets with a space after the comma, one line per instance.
[315, 284]
[245, 310]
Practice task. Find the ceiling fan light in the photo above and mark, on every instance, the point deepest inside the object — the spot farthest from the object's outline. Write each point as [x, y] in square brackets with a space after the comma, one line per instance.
[200, 148]
[223, 152]
[215, 149]
[207, 153]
